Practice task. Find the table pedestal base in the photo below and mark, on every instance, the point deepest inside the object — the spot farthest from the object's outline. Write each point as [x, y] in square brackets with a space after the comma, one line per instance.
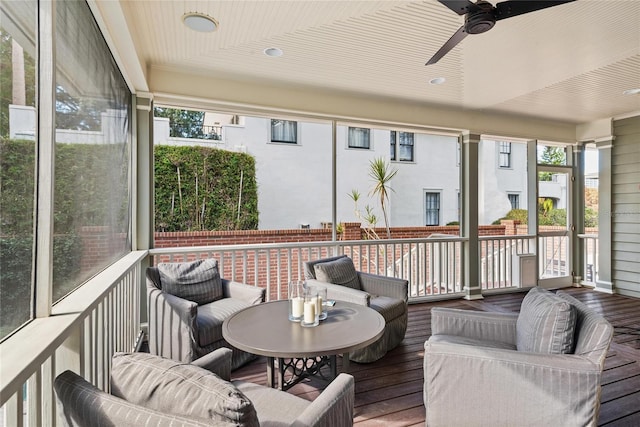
[292, 371]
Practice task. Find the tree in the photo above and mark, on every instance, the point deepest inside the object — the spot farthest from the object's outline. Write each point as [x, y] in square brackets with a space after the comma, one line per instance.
[381, 174]
[551, 156]
[182, 123]
[78, 113]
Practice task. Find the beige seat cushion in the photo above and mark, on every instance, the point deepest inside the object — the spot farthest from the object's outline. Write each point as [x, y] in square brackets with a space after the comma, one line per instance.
[475, 342]
[211, 316]
[274, 407]
[389, 308]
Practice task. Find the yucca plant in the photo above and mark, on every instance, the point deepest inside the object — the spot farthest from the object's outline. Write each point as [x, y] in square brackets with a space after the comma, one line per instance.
[381, 173]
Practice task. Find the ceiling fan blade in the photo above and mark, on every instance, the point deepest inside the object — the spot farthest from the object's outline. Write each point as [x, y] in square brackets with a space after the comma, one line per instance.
[460, 7]
[510, 8]
[450, 44]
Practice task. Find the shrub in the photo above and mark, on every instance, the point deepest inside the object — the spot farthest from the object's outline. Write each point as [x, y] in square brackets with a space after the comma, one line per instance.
[556, 217]
[198, 188]
[590, 217]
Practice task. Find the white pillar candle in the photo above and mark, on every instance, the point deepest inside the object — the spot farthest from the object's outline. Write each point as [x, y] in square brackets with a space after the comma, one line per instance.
[296, 306]
[309, 312]
[319, 304]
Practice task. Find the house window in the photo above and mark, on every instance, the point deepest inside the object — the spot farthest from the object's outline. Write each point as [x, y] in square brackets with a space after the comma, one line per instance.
[401, 144]
[359, 138]
[284, 131]
[514, 199]
[504, 155]
[432, 208]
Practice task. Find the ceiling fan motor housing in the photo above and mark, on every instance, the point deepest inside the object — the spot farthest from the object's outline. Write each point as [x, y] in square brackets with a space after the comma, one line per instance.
[480, 19]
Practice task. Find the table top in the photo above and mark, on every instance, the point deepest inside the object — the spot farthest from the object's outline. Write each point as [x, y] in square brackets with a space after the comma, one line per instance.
[266, 330]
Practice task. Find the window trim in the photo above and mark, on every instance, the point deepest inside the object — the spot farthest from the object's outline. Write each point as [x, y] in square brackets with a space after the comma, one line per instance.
[504, 154]
[355, 147]
[278, 141]
[395, 146]
[517, 195]
[427, 192]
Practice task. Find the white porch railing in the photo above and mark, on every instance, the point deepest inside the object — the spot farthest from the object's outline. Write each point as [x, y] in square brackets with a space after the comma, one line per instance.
[590, 257]
[433, 266]
[103, 316]
[497, 255]
[85, 329]
[553, 259]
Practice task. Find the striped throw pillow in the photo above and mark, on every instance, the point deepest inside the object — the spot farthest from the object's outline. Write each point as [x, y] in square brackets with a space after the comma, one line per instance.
[179, 389]
[198, 281]
[546, 323]
[340, 272]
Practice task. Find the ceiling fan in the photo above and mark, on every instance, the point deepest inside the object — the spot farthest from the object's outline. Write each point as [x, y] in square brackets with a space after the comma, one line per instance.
[482, 16]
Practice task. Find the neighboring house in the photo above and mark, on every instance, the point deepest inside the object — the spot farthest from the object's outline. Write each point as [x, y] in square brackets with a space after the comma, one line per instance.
[293, 168]
[22, 125]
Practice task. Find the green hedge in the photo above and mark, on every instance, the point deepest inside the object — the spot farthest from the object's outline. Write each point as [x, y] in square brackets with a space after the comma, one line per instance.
[553, 217]
[15, 282]
[198, 188]
[85, 176]
[206, 198]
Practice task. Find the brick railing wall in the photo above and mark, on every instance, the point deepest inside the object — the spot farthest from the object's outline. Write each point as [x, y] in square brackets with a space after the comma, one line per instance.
[352, 231]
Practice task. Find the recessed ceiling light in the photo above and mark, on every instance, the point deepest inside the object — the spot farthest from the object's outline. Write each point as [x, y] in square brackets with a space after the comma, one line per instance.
[200, 22]
[437, 81]
[631, 91]
[273, 52]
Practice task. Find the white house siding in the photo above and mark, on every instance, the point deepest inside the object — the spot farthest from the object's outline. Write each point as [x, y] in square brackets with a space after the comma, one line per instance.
[433, 169]
[495, 182]
[625, 245]
[294, 180]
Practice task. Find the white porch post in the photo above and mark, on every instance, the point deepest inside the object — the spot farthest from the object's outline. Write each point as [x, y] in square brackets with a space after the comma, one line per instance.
[143, 206]
[469, 226]
[45, 159]
[604, 281]
[532, 200]
[334, 183]
[577, 215]
[143, 167]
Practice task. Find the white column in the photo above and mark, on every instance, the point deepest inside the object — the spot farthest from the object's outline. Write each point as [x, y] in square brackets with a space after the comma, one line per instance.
[45, 166]
[143, 196]
[577, 215]
[469, 225]
[604, 281]
[143, 169]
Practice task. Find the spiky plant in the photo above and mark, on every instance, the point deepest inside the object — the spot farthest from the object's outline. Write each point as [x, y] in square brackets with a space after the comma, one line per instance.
[381, 173]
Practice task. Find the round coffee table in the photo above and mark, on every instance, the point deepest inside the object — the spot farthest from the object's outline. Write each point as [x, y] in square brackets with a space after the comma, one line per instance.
[265, 329]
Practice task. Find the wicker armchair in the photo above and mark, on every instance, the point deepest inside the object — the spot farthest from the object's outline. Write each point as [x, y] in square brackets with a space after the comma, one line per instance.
[188, 326]
[539, 367]
[387, 295]
[151, 390]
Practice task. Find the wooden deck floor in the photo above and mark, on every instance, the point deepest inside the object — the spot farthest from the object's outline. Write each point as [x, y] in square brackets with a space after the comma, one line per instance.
[389, 391]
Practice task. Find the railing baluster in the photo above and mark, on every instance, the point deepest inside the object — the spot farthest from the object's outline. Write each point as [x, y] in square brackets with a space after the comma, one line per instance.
[34, 400]
[268, 272]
